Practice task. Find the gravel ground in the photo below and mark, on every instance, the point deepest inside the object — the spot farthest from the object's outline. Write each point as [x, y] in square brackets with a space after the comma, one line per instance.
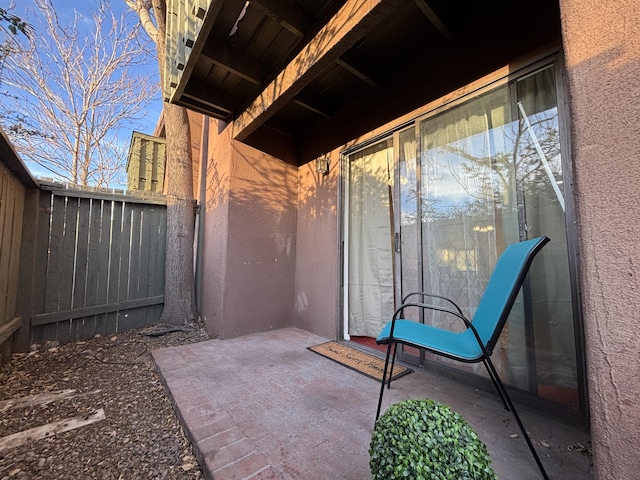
[140, 436]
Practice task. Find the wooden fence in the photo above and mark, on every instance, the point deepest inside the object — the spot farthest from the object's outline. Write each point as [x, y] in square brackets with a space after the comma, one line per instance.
[12, 193]
[97, 263]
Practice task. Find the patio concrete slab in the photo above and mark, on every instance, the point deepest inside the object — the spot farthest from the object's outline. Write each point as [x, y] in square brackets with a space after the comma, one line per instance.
[263, 407]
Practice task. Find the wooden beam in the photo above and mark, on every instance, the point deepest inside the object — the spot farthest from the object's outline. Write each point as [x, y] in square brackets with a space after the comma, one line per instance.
[50, 430]
[312, 106]
[53, 317]
[211, 96]
[351, 23]
[233, 60]
[42, 399]
[37, 399]
[356, 67]
[286, 14]
[433, 18]
[9, 328]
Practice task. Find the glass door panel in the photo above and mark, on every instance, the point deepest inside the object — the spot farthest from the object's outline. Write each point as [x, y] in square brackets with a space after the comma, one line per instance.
[370, 278]
[491, 175]
[466, 179]
[408, 240]
[539, 171]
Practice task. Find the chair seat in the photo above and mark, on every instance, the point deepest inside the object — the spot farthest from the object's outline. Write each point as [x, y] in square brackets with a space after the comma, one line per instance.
[462, 346]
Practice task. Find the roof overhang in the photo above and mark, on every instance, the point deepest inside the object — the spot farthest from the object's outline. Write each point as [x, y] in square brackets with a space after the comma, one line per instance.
[296, 78]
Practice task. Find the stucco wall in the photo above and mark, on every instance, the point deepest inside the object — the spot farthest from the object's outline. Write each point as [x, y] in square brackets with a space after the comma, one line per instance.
[316, 295]
[602, 47]
[250, 241]
[215, 215]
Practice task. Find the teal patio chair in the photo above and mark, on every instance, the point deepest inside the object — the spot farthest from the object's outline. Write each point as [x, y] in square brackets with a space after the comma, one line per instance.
[476, 343]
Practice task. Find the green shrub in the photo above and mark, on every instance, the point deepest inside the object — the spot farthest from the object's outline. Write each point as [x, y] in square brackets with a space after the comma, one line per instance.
[424, 440]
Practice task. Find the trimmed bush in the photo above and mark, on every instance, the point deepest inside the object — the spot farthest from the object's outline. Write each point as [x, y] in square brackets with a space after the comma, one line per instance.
[425, 440]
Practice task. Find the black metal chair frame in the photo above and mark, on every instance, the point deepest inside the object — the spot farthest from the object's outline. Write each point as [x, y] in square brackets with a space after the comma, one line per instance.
[485, 357]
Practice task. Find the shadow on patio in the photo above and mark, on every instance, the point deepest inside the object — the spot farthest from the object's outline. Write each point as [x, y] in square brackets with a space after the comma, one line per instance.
[264, 407]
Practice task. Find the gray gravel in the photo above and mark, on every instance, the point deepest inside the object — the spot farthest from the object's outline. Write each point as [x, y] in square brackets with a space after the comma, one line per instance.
[140, 436]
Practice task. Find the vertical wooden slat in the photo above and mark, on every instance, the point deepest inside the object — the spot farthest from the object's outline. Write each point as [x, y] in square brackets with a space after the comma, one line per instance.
[136, 252]
[16, 242]
[115, 225]
[125, 264]
[156, 261]
[25, 306]
[64, 281]
[162, 251]
[90, 324]
[6, 221]
[64, 278]
[104, 256]
[41, 247]
[54, 265]
[12, 194]
[80, 275]
[146, 245]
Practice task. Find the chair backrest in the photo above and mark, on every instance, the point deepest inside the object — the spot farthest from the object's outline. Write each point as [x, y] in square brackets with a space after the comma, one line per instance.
[503, 287]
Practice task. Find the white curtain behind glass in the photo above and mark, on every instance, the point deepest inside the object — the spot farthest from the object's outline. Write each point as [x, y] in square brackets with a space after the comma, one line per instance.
[370, 271]
[459, 189]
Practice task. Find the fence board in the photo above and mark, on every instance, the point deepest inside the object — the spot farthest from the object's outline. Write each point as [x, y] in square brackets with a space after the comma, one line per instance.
[133, 316]
[111, 318]
[54, 260]
[6, 222]
[155, 281]
[125, 264]
[104, 255]
[41, 242]
[145, 246]
[68, 253]
[12, 194]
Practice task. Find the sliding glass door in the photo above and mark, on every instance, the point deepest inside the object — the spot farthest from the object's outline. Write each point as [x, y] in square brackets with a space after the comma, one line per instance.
[433, 206]
[370, 285]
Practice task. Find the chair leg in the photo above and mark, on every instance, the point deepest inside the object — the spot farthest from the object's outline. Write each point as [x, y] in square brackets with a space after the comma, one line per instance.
[384, 379]
[393, 362]
[495, 384]
[505, 396]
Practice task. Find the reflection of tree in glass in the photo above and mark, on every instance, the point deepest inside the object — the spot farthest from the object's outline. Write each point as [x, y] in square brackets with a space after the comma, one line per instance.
[493, 176]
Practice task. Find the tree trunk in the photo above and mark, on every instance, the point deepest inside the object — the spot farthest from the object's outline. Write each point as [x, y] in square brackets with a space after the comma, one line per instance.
[179, 277]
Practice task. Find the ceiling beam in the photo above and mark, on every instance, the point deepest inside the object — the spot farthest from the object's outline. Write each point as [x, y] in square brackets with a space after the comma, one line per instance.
[233, 60]
[312, 105]
[208, 95]
[354, 65]
[351, 23]
[433, 18]
[286, 14]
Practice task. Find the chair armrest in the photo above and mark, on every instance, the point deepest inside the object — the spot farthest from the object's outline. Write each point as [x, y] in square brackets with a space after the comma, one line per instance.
[439, 308]
[432, 295]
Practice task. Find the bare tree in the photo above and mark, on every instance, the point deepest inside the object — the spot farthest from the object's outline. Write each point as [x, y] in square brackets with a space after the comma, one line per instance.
[70, 94]
[10, 27]
[179, 278]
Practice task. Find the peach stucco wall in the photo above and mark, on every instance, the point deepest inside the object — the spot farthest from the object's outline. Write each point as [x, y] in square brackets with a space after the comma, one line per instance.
[316, 294]
[249, 244]
[602, 49]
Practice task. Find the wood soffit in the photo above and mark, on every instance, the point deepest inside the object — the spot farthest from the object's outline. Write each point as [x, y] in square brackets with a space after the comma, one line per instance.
[283, 68]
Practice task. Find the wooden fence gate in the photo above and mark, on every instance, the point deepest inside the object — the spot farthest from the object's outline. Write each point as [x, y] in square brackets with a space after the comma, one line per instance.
[93, 263]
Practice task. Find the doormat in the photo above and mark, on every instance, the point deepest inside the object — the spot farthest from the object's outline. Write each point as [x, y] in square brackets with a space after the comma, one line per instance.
[368, 365]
